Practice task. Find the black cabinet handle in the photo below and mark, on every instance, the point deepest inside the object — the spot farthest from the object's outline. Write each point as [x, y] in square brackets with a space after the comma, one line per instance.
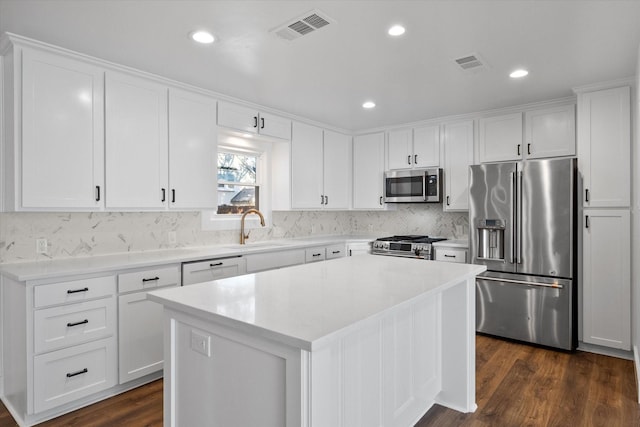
[255, 121]
[261, 122]
[586, 195]
[336, 252]
[380, 200]
[350, 252]
[164, 195]
[408, 160]
[528, 148]
[448, 204]
[315, 255]
[97, 193]
[326, 200]
[415, 159]
[518, 149]
[73, 374]
[217, 264]
[82, 322]
[153, 279]
[321, 199]
[173, 195]
[450, 256]
[586, 221]
[75, 291]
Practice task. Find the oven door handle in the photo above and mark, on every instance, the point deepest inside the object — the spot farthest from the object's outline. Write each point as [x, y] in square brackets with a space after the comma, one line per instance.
[424, 186]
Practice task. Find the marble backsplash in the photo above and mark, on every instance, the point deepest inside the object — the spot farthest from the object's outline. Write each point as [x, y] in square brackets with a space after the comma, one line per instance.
[99, 233]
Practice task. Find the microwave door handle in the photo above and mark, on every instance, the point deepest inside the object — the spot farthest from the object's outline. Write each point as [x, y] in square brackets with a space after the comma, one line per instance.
[424, 187]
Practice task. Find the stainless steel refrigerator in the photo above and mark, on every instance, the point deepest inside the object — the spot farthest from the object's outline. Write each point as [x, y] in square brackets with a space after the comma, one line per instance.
[522, 220]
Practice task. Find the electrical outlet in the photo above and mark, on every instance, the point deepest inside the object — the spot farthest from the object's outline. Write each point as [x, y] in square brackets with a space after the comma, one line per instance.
[172, 237]
[201, 343]
[41, 246]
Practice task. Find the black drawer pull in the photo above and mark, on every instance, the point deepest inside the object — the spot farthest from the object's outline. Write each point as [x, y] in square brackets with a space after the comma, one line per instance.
[336, 252]
[450, 256]
[314, 255]
[217, 264]
[75, 291]
[73, 374]
[151, 280]
[83, 322]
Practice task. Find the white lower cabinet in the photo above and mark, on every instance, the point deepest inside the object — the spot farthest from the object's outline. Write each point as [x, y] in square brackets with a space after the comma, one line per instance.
[65, 375]
[335, 251]
[451, 254]
[212, 269]
[140, 349]
[606, 287]
[314, 254]
[271, 260]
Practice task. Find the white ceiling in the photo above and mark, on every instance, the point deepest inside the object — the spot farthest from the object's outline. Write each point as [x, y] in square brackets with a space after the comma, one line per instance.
[326, 75]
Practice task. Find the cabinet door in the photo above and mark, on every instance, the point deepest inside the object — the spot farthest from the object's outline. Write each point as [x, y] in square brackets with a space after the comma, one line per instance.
[368, 171]
[136, 142]
[426, 146]
[604, 144]
[606, 287]
[500, 138]
[306, 167]
[192, 151]
[277, 127]
[400, 149]
[458, 156]
[237, 117]
[550, 132]
[62, 147]
[337, 170]
[140, 336]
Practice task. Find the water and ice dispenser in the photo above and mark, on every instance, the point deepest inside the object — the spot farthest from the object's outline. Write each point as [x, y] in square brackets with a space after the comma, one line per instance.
[490, 239]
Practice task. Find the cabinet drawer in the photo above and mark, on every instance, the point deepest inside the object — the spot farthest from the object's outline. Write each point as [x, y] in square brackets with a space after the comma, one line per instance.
[271, 260]
[314, 254]
[212, 269]
[146, 279]
[451, 255]
[335, 251]
[72, 373]
[74, 291]
[67, 325]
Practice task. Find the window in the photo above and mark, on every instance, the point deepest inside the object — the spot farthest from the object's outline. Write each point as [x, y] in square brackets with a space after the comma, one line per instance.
[238, 189]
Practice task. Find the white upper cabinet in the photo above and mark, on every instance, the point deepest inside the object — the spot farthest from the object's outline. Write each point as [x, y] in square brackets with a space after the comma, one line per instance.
[249, 120]
[500, 138]
[547, 132]
[458, 156]
[604, 144]
[192, 151]
[400, 149]
[426, 146]
[337, 170]
[368, 171]
[414, 148]
[550, 132]
[136, 142]
[306, 167]
[320, 168]
[59, 158]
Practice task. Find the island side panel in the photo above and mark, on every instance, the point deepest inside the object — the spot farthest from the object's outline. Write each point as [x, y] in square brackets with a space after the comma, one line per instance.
[222, 377]
[459, 347]
[384, 371]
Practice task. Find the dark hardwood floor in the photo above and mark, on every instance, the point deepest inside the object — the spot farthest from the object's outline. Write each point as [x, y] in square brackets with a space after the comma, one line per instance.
[516, 385]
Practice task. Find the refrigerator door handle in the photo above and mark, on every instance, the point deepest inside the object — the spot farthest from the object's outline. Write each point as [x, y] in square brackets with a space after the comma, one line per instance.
[519, 217]
[522, 282]
[512, 214]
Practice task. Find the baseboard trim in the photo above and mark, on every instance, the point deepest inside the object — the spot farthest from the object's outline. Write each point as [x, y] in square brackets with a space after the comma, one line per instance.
[605, 351]
[636, 359]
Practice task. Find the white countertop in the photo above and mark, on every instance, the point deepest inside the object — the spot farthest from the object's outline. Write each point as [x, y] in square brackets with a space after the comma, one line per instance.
[51, 269]
[301, 305]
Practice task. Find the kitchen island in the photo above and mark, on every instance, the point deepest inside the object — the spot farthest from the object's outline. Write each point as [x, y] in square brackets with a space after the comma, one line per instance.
[358, 341]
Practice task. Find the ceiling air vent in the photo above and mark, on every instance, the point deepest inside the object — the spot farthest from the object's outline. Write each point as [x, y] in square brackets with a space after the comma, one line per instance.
[302, 25]
[471, 62]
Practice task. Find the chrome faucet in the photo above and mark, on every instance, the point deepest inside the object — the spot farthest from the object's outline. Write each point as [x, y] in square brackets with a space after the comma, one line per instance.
[244, 237]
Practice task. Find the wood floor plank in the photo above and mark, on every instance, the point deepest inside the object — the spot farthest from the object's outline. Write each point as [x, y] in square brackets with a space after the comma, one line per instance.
[516, 385]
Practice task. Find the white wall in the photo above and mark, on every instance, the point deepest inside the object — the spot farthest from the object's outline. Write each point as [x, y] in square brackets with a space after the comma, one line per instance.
[635, 246]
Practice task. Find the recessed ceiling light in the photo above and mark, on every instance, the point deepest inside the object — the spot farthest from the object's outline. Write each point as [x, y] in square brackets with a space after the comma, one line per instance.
[396, 30]
[202, 37]
[369, 104]
[518, 73]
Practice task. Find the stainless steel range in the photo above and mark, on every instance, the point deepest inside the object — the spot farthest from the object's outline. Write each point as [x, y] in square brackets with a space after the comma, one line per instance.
[406, 246]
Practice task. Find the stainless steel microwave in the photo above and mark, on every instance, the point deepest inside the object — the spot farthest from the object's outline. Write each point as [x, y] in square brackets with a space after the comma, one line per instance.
[413, 186]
